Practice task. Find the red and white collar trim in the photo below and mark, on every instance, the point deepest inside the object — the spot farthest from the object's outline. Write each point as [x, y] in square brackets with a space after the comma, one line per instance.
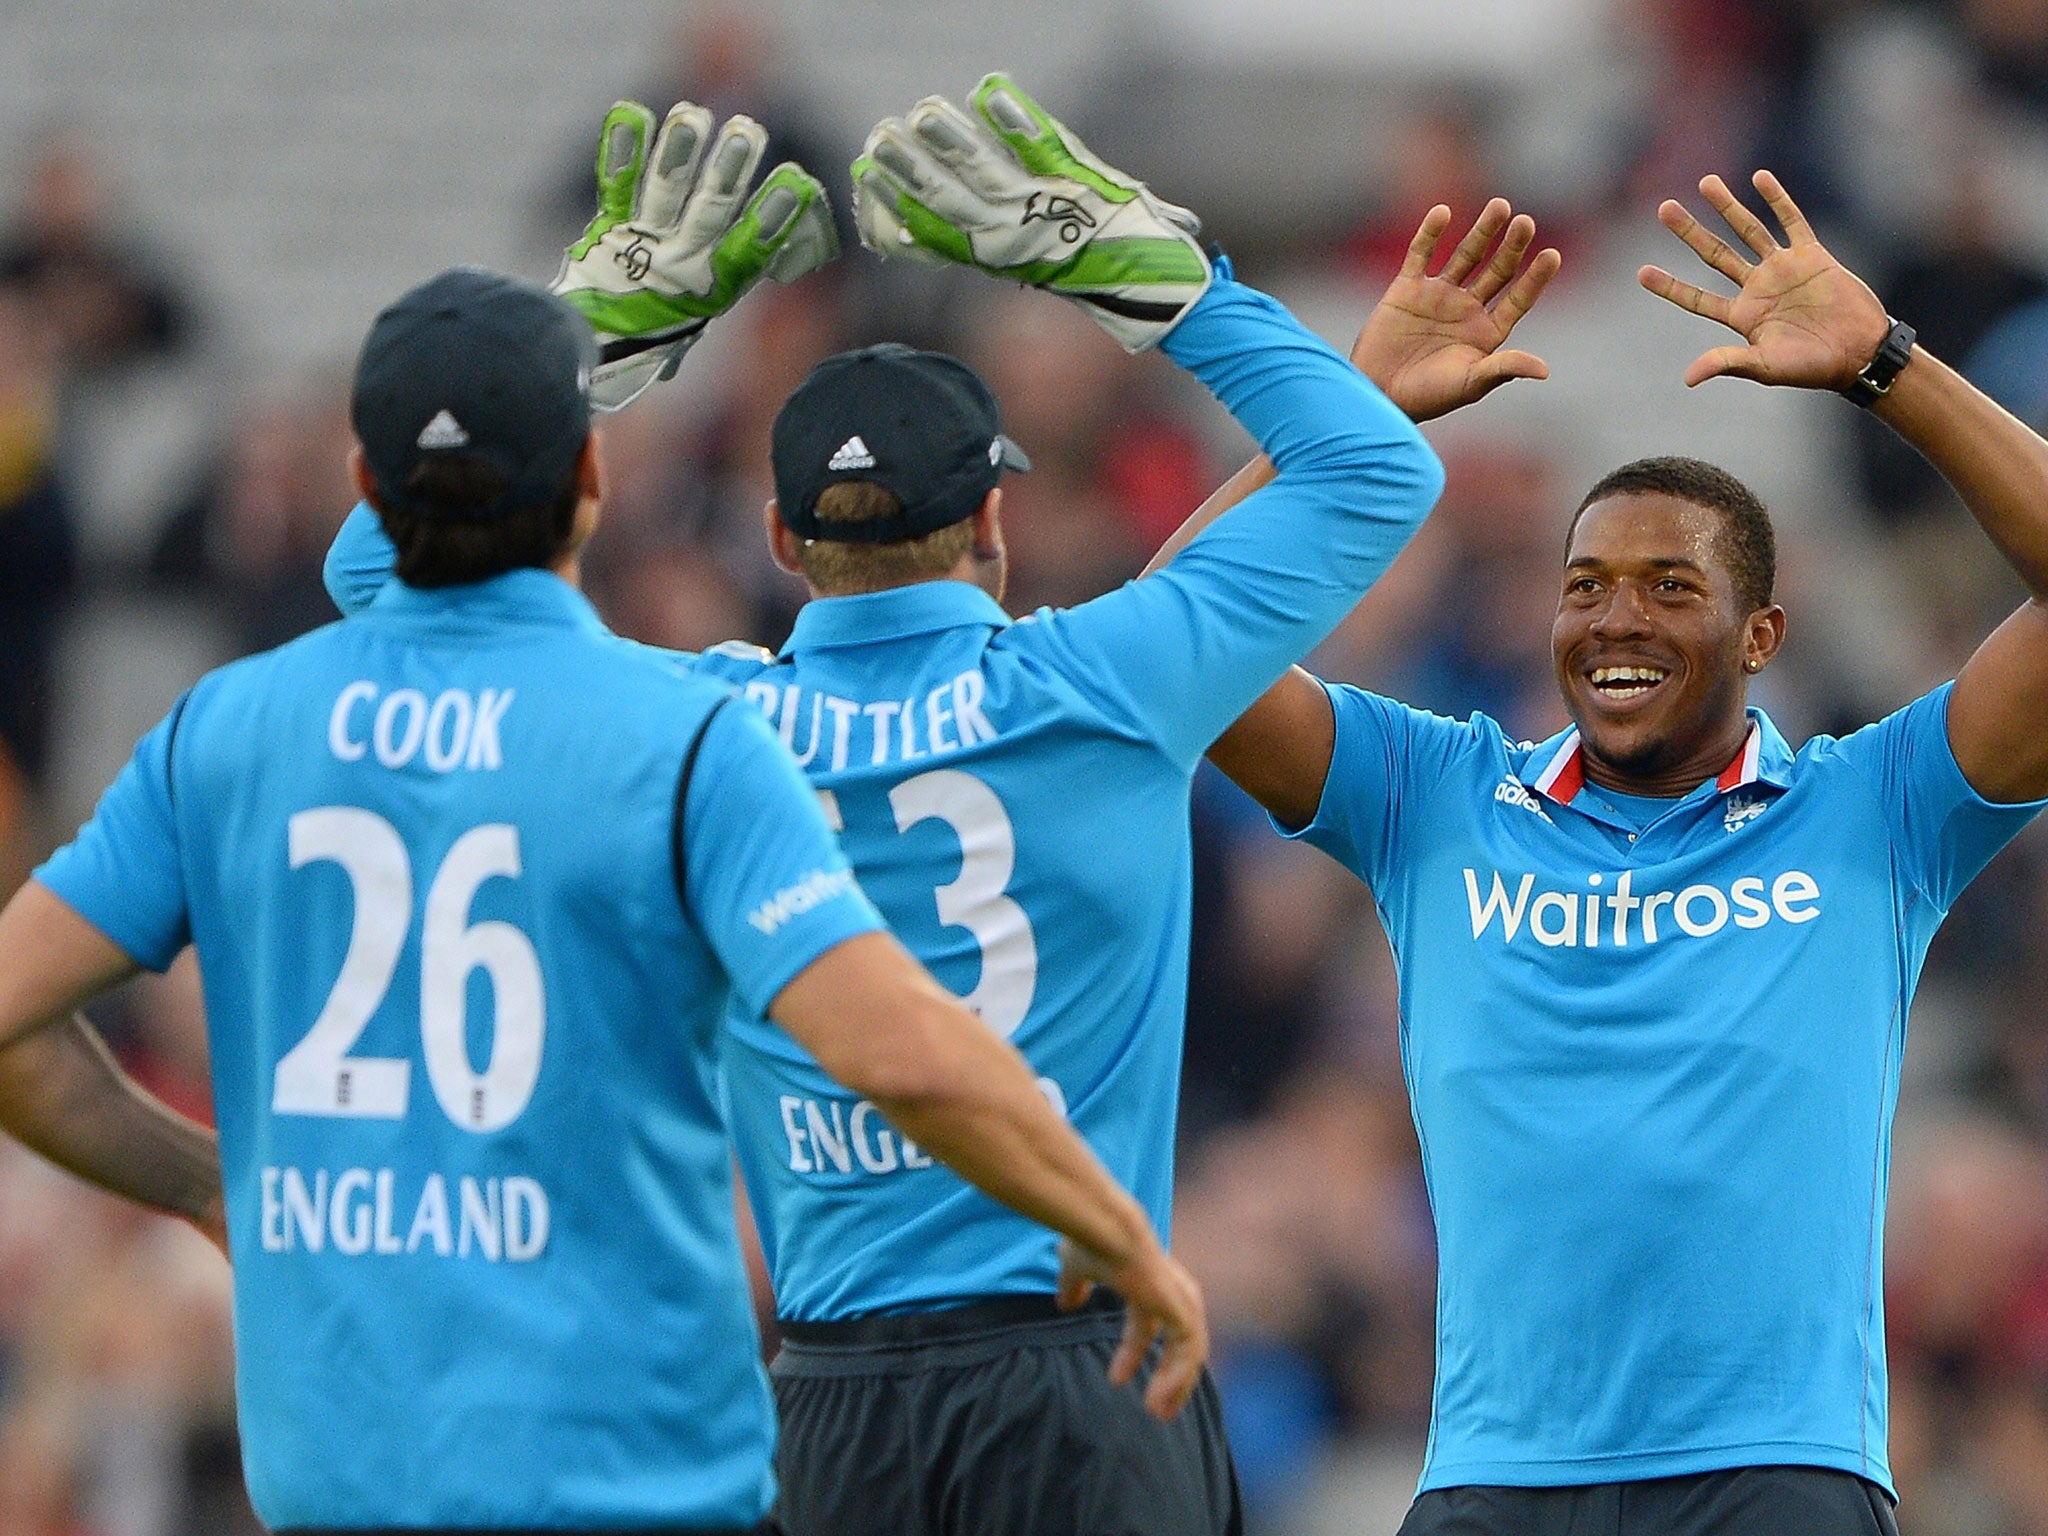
[1565, 774]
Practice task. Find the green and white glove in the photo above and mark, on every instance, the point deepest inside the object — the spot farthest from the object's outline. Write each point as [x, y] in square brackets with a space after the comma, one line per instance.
[671, 249]
[1010, 190]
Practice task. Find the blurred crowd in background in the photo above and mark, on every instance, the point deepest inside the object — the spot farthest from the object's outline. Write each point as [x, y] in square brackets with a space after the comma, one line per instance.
[1912, 134]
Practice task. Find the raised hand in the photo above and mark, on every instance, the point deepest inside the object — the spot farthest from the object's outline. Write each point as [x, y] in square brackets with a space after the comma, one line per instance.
[1009, 189]
[1434, 343]
[677, 240]
[1806, 320]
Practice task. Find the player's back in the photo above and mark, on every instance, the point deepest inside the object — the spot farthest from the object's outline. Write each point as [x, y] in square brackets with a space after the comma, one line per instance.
[1028, 841]
[462, 1034]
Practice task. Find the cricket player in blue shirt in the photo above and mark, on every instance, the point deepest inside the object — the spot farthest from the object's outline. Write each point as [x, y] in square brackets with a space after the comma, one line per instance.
[1014, 797]
[1655, 971]
[473, 885]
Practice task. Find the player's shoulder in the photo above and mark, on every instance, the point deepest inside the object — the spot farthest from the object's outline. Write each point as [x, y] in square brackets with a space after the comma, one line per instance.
[736, 661]
[646, 682]
[1057, 649]
[1907, 746]
[1924, 716]
[262, 672]
[1364, 716]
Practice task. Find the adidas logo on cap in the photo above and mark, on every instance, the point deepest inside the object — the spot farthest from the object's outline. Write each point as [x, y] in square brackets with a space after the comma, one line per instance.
[444, 431]
[851, 454]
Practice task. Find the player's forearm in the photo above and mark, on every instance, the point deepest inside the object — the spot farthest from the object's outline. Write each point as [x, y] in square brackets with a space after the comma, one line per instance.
[1353, 479]
[1255, 475]
[1279, 750]
[1318, 418]
[63, 1095]
[978, 1109]
[1997, 465]
[877, 1022]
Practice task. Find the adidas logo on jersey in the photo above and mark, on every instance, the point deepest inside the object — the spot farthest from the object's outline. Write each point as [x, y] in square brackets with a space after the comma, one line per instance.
[852, 454]
[444, 431]
[1513, 792]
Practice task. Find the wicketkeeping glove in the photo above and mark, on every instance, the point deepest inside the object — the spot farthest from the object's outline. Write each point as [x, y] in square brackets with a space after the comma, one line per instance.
[671, 249]
[1010, 190]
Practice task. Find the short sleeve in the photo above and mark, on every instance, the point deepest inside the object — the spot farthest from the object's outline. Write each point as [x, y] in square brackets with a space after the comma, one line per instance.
[1386, 756]
[1943, 831]
[122, 873]
[763, 877]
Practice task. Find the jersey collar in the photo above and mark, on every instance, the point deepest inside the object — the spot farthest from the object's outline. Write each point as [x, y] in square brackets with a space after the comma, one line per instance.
[862, 618]
[1556, 769]
[517, 597]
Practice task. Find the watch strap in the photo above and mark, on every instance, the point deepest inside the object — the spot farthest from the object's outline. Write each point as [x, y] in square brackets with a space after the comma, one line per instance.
[1875, 381]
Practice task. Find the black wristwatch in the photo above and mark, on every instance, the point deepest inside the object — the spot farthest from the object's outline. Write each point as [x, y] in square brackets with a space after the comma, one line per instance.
[1875, 381]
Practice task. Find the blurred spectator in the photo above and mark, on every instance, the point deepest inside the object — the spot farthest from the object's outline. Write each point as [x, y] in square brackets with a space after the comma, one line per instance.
[1111, 473]
[2010, 38]
[723, 56]
[252, 538]
[1492, 561]
[688, 493]
[105, 297]
[1309, 1231]
[1952, 294]
[1437, 155]
[119, 1389]
[38, 563]
[1724, 77]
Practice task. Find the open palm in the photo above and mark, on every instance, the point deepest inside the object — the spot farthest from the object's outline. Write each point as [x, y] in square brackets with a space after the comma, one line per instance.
[1804, 318]
[1435, 343]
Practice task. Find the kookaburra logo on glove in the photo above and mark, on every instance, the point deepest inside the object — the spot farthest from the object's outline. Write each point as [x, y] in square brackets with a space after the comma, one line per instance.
[677, 240]
[1056, 209]
[636, 258]
[1007, 188]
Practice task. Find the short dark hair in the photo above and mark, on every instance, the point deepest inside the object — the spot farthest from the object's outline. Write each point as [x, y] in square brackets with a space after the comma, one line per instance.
[454, 546]
[1748, 544]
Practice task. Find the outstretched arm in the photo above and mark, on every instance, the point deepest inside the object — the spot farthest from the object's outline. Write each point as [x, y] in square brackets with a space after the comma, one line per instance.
[1805, 320]
[61, 1091]
[1433, 344]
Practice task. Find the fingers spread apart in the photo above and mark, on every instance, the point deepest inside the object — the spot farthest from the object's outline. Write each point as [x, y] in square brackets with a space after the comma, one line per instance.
[1422, 248]
[1507, 259]
[1686, 295]
[1797, 230]
[1465, 259]
[1501, 277]
[1523, 293]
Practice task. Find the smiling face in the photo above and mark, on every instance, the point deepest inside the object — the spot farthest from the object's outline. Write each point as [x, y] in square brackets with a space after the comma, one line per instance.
[1652, 644]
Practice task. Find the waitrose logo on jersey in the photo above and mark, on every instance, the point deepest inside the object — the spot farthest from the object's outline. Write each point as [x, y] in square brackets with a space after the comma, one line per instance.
[1620, 916]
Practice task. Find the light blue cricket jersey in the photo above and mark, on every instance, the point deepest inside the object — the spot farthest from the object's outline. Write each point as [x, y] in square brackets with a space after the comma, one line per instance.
[1653, 1067]
[463, 1035]
[1014, 797]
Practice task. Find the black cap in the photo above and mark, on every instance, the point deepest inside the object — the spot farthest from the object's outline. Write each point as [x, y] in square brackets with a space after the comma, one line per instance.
[473, 363]
[919, 424]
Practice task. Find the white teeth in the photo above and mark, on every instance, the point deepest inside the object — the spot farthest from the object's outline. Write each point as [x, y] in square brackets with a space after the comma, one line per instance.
[1607, 676]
